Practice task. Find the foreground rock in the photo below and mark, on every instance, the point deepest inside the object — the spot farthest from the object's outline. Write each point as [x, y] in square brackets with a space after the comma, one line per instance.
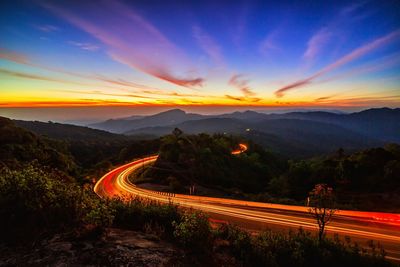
[116, 248]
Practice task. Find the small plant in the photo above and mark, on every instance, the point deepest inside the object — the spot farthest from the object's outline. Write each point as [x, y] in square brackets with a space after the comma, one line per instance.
[193, 231]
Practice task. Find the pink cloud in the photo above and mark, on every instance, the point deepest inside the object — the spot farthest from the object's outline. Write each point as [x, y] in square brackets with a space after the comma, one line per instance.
[13, 56]
[242, 84]
[316, 43]
[353, 55]
[130, 39]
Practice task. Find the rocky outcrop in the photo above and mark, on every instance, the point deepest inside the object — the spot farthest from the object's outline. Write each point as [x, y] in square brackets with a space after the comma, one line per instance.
[116, 248]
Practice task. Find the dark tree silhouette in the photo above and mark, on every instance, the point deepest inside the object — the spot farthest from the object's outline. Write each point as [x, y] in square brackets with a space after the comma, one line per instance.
[322, 206]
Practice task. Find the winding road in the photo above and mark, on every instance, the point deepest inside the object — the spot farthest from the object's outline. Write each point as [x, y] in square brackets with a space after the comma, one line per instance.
[358, 225]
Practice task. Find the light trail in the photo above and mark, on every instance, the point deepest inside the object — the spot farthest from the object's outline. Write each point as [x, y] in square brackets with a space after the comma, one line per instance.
[242, 148]
[359, 225]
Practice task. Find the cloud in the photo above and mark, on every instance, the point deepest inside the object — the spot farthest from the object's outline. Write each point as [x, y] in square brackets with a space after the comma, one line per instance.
[85, 46]
[96, 92]
[209, 46]
[361, 100]
[239, 26]
[13, 56]
[243, 99]
[316, 42]
[23, 59]
[337, 28]
[130, 39]
[35, 77]
[375, 66]
[268, 45]
[242, 84]
[47, 28]
[353, 55]
[348, 10]
[324, 98]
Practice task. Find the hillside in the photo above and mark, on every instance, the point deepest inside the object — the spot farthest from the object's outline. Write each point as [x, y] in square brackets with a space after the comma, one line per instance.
[379, 123]
[67, 131]
[88, 152]
[19, 146]
[169, 117]
[289, 137]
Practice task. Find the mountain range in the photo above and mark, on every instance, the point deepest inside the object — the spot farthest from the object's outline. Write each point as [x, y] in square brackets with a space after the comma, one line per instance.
[381, 124]
[294, 134]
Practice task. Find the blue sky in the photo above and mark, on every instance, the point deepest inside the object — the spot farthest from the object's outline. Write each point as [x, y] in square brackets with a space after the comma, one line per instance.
[200, 53]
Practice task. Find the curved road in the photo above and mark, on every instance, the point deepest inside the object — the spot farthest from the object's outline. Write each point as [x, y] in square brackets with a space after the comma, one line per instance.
[358, 225]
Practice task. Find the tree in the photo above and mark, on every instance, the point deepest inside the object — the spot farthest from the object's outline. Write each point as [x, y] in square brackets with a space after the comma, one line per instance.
[322, 206]
[177, 132]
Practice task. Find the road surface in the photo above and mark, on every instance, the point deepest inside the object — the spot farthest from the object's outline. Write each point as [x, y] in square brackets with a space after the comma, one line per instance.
[359, 226]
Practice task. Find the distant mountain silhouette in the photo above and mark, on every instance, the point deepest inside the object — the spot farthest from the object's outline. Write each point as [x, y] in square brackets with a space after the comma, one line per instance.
[379, 123]
[295, 133]
[169, 117]
[286, 136]
[66, 131]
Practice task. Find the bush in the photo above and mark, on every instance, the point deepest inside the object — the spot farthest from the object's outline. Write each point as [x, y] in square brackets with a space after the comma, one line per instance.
[239, 240]
[34, 200]
[295, 249]
[140, 214]
[193, 231]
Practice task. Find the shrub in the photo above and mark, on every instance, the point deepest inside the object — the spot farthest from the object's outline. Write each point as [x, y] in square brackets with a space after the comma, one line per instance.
[295, 249]
[239, 240]
[193, 231]
[35, 200]
[140, 214]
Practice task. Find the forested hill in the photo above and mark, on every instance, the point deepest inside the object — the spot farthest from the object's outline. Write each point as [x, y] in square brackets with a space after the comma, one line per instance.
[19, 146]
[79, 151]
[67, 131]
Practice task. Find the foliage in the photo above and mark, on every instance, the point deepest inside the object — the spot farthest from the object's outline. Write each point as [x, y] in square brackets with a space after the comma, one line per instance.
[19, 146]
[193, 231]
[295, 249]
[361, 179]
[137, 214]
[207, 160]
[35, 200]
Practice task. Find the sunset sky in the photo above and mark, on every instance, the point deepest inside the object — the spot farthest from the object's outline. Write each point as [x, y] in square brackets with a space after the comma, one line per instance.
[158, 54]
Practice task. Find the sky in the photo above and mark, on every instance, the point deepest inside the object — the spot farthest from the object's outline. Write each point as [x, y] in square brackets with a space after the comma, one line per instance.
[111, 58]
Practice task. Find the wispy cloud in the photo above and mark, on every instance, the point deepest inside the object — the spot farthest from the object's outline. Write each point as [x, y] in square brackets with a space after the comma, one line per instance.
[242, 84]
[375, 66]
[336, 29]
[359, 100]
[348, 10]
[97, 93]
[269, 45]
[130, 39]
[84, 46]
[208, 45]
[239, 27]
[13, 56]
[243, 99]
[316, 43]
[47, 28]
[23, 59]
[35, 77]
[353, 55]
